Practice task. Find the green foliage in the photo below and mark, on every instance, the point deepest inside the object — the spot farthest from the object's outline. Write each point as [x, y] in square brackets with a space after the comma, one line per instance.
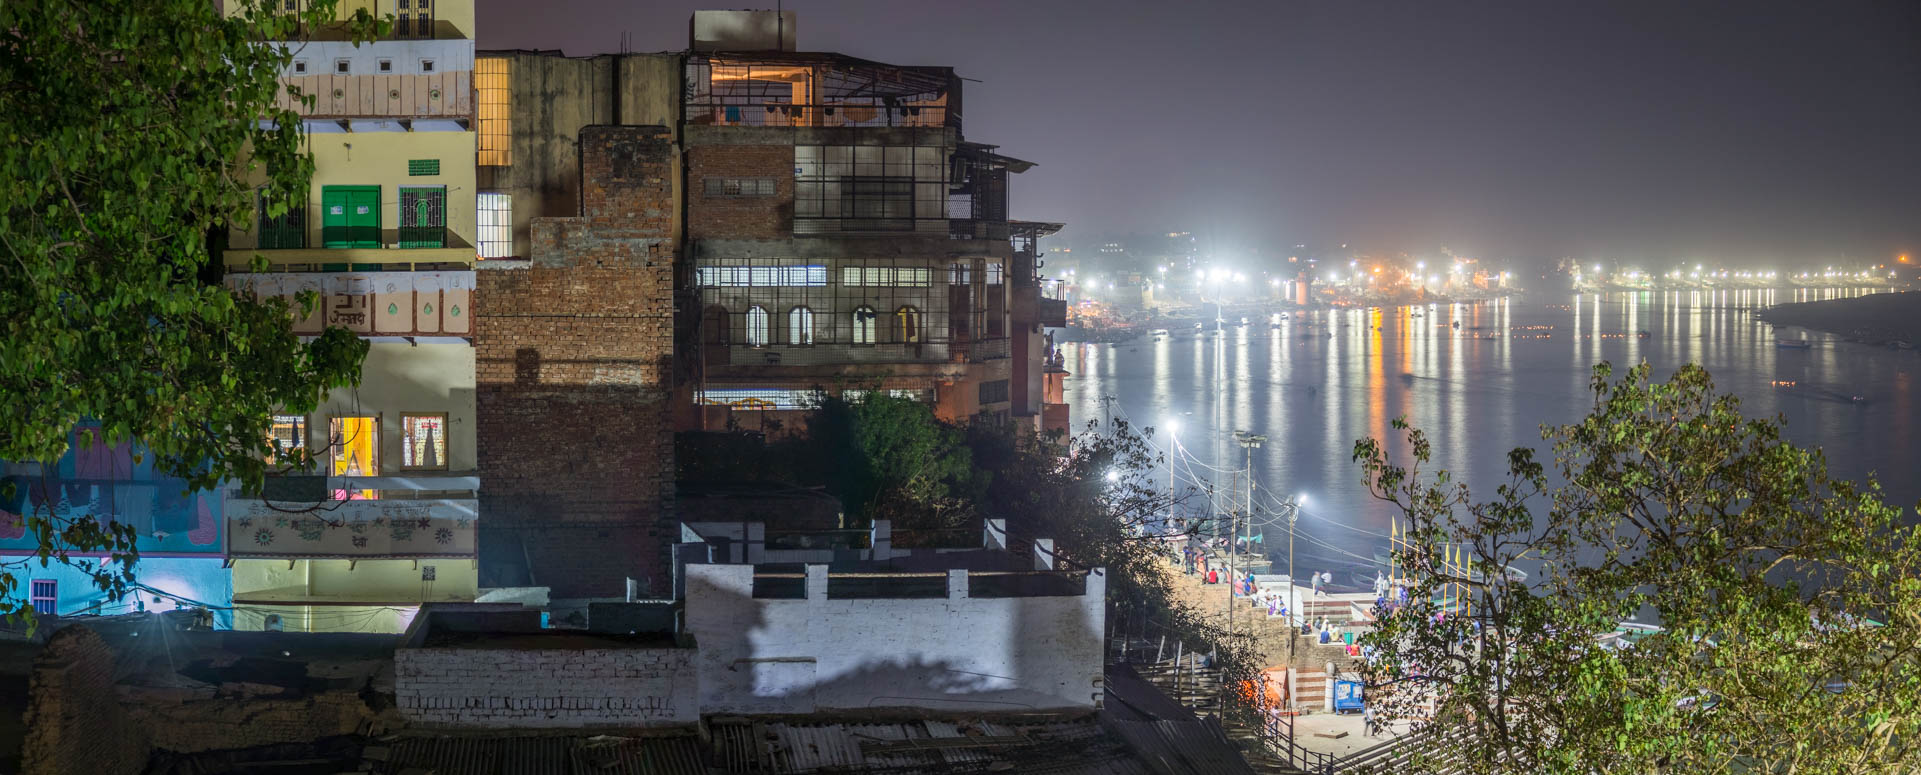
[129, 132]
[888, 458]
[1790, 601]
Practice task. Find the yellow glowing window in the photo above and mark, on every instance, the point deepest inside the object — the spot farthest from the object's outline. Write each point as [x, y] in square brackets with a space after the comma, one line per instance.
[492, 83]
[425, 445]
[355, 442]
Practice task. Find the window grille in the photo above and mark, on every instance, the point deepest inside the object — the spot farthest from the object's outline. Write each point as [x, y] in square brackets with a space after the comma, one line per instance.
[414, 22]
[495, 225]
[420, 167]
[423, 216]
[994, 392]
[44, 595]
[757, 399]
[886, 276]
[814, 276]
[740, 187]
[424, 440]
[864, 324]
[289, 231]
[757, 326]
[289, 433]
[800, 326]
[493, 88]
[907, 324]
[869, 188]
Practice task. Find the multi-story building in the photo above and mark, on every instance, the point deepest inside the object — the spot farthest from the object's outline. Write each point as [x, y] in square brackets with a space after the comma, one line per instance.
[837, 231]
[387, 234]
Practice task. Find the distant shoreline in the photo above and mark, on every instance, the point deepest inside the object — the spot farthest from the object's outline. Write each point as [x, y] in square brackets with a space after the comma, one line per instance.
[1879, 318]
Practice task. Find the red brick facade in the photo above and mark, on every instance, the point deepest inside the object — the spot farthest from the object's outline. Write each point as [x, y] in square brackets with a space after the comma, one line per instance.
[574, 354]
[723, 216]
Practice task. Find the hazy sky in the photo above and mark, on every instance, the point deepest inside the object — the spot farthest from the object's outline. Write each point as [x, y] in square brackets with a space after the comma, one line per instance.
[1739, 131]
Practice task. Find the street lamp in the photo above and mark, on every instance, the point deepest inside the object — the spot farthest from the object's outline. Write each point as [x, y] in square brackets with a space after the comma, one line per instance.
[1293, 508]
[1249, 442]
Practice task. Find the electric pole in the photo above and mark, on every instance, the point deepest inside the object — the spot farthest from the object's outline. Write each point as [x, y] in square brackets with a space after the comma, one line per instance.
[1249, 442]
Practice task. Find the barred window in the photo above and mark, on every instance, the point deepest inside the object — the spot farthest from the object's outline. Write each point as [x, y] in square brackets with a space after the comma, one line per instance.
[757, 326]
[864, 324]
[765, 399]
[425, 440]
[800, 326]
[886, 276]
[994, 392]
[740, 187]
[868, 187]
[493, 87]
[812, 276]
[495, 223]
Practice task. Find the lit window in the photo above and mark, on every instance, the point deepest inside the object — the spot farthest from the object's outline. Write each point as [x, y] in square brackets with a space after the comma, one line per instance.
[994, 274]
[491, 87]
[800, 326]
[764, 399]
[864, 324]
[761, 276]
[907, 322]
[757, 326]
[289, 433]
[355, 442]
[496, 225]
[44, 595]
[740, 187]
[425, 440]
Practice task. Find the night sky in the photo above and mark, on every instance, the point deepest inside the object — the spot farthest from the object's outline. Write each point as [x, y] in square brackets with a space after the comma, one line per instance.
[1658, 132]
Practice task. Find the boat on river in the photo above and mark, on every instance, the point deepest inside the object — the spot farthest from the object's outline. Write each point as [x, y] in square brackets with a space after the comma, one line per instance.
[1793, 344]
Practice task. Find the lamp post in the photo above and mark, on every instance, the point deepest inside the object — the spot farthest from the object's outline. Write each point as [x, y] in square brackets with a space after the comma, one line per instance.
[1249, 442]
[1293, 507]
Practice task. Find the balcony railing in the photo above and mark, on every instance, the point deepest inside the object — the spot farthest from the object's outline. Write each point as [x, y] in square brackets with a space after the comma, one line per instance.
[828, 354]
[959, 228]
[985, 350]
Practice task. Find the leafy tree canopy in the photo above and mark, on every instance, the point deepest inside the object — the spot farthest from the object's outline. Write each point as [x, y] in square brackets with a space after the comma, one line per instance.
[130, 129]
[1789, 602]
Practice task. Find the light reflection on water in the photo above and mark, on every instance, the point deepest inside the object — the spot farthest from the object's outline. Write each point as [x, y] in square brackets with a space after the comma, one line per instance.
[1313, 394]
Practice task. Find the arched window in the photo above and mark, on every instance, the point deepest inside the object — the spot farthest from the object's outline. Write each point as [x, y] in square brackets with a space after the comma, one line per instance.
[864, 324]
[800, 326]
[907, 324]
[757, 326]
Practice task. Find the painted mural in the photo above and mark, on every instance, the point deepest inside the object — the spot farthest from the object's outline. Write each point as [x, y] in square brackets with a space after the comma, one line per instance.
[107, 483]
[354, 528]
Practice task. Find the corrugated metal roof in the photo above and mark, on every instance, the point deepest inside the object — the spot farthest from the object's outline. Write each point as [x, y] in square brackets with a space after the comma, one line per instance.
[922, 747]
[548, 755]
[1182, 747]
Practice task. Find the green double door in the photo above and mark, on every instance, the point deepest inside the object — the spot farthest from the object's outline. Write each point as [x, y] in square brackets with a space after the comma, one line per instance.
[350, 216]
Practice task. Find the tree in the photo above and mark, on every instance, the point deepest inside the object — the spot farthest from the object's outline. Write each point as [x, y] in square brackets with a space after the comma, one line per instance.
[130, 129]
[888, 458]
[1789, 602]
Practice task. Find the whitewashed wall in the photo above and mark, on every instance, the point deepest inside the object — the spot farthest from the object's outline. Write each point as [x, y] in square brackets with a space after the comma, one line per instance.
[957, 653]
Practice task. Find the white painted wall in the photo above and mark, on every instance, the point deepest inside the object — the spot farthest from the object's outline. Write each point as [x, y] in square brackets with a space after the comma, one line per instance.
[546, 688]
[958, 653]
[398, 378]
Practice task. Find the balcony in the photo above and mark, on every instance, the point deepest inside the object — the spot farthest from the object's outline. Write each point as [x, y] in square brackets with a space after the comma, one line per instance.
[361, 517]
[408, 304]
[959, 228]
[828, 354]
[984, 350]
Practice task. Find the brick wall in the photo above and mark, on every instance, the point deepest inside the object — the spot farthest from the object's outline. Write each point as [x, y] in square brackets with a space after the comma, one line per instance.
[239, 716]
[531, 688]
[745, 217]
[75, 722]
[574, 353]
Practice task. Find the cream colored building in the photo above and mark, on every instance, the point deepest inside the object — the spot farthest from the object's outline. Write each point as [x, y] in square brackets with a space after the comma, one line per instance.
[387, 236]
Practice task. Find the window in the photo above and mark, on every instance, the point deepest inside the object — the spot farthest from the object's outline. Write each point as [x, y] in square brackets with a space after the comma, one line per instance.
[761, 276]
[419, 167]
[907, 324]
[288, 231]
[386, 65]
[868, 187]
[800, 326]
[886, 276]
[994, 392]
[289, 433]
[343, 66]
[757, 326]
[864, 324]
[415, 22]
[423, 216]
[426, 66]
[355, 442]
[994, 275]
[496, 225]
[492, 87]
[44, 595]
[300, 67]
[961, 274]
[424, 440]
[761, 398]
[740, 187]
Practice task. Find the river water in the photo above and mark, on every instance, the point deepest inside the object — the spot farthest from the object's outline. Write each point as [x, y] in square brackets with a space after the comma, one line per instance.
[1315, 382]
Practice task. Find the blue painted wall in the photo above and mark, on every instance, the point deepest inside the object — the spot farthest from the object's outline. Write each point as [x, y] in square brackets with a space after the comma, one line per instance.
[105, 482]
